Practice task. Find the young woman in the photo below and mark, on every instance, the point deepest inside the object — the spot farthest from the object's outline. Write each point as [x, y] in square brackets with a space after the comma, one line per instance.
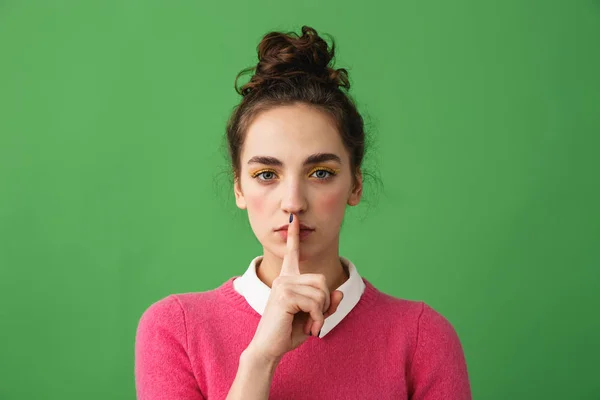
[300, 323]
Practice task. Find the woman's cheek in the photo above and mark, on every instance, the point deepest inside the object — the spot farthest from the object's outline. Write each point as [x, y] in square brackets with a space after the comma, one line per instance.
[255, 204]
[333, 203]
[256, 209]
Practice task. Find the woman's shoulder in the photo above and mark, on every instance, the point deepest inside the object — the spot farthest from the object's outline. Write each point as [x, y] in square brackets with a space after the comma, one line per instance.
[397, 306]
[177, 306]
[419, 312]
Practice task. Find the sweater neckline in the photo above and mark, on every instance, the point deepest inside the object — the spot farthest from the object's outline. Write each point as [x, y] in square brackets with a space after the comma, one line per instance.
[235, 299]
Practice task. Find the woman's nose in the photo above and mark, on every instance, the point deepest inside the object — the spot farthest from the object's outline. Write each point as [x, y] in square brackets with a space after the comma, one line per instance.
[293, 198]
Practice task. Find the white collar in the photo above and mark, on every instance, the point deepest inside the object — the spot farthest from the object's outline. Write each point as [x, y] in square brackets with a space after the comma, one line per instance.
[256, 292]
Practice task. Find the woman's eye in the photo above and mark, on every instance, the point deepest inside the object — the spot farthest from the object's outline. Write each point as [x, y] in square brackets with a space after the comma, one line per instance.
[266, 175]
[322, 174]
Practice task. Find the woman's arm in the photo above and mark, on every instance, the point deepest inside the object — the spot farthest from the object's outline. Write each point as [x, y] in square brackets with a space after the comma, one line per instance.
[438, 369]
[162, 366]
[253, 378]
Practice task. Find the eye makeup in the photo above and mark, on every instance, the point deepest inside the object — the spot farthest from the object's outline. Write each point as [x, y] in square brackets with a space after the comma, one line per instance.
[262, 171]
[332, 172]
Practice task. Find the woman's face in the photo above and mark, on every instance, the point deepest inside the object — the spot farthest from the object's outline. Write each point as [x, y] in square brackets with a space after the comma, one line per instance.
[293, 161]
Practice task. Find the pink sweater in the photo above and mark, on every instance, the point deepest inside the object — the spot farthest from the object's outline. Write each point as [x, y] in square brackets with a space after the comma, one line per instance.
[188, 348]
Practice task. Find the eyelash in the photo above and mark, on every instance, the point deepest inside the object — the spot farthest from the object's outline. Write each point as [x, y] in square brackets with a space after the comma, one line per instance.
[331, 172]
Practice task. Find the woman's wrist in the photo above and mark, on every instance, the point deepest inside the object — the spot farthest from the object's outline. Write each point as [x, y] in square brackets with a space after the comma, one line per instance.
[254, 376]
[258, 360]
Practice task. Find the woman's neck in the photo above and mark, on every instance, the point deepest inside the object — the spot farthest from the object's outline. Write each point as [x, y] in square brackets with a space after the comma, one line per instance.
[329, 265]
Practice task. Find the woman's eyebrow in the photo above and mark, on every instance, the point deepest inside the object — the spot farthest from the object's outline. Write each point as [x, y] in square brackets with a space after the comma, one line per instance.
[312, 159]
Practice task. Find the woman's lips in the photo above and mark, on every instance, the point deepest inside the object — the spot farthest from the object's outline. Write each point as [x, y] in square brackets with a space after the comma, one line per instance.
[304, 233]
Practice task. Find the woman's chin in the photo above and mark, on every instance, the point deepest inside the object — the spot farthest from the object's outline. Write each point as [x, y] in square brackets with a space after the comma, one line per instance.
[280, 250]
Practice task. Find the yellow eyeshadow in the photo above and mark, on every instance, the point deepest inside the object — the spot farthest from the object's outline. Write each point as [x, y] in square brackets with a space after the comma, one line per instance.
[260, 171]
[333, 171]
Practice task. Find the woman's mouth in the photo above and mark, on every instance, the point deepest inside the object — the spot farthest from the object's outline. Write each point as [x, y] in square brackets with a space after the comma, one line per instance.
[304, 233]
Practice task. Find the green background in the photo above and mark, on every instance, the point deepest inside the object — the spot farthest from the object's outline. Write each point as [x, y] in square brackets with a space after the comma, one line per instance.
[114, 190]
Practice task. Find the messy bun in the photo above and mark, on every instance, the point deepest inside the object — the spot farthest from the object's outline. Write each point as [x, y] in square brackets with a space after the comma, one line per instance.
[289, 57]
[296, 69]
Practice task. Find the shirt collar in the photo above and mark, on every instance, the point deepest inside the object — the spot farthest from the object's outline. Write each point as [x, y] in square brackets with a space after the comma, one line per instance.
[256, 292]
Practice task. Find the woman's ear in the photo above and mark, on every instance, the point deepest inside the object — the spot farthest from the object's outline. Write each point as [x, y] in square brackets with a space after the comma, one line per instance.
[239, 196]
[356, 193]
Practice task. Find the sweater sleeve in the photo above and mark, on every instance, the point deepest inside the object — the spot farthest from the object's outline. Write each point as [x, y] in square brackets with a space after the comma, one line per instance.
[162, 366]
[438, 370]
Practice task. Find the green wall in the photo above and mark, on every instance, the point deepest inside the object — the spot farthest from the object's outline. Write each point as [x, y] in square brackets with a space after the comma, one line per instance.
[114, 193]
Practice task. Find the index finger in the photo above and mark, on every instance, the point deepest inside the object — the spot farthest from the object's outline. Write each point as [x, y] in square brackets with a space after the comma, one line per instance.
[291, 262]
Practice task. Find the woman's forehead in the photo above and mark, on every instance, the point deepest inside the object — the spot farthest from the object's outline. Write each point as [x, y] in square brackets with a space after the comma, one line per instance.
[293, 133]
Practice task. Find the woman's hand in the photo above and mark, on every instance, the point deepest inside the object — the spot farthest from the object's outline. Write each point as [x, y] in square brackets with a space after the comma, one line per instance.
[298, 304]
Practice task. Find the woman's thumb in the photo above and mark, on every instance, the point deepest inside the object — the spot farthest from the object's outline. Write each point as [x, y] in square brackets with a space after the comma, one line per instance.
[336, 298]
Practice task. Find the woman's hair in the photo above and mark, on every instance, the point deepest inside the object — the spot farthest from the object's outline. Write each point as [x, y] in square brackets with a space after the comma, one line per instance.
[295, 69]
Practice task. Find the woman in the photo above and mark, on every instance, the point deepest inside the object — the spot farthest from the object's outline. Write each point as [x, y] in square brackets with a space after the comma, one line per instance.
[301, 323]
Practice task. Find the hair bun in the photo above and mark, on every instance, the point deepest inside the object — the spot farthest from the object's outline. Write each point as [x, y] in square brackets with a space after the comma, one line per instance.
[287, 57]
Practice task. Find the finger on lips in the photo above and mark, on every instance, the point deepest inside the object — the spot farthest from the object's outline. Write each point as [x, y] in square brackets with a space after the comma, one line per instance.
[291, 262]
